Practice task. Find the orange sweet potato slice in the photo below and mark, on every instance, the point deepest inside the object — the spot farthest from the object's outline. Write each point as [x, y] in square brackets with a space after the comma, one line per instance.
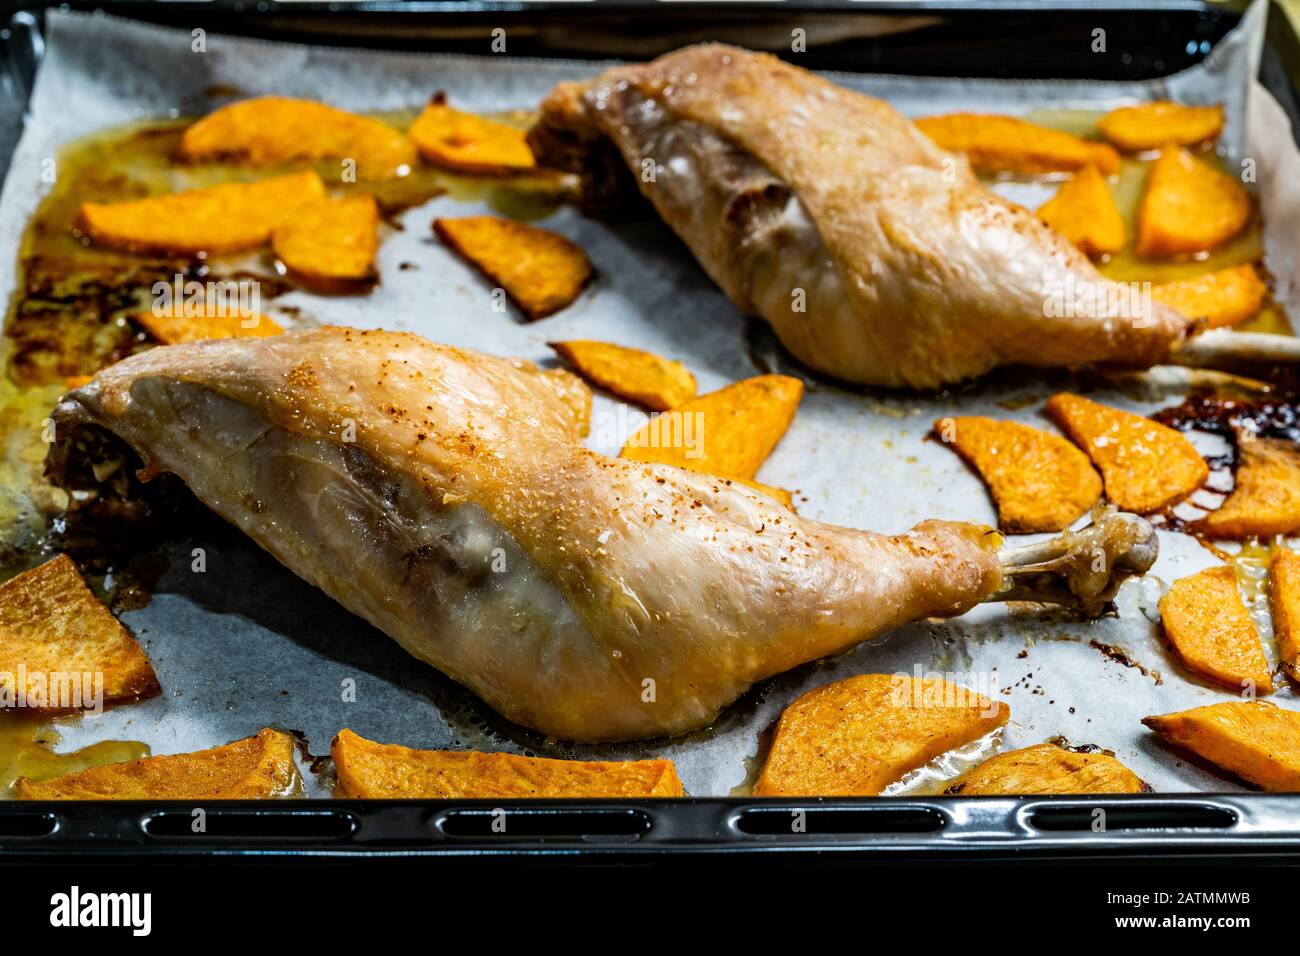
[1217, 299]
[173, 326]
[374, 771]
[1210, 629]
[728, 433]
[1188, 208]
[642, 377]
[1040, 482]
[53, 630]
[1145, 466]
[220, 219]
[1045, 769]
[1134, 129]
[1084, 211]
[1255, 740]
[465, 143]
[996, 143]
[540, 271]
[331, 244]
[857, 736]
[1266, 499]
[270, 130]
[255, 768]
[1284, 603]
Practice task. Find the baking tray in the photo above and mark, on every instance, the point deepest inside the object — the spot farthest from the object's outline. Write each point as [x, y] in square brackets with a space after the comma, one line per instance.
[1005, 40]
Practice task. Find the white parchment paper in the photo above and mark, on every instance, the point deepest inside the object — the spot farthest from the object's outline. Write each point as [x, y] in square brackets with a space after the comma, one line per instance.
[246, 644]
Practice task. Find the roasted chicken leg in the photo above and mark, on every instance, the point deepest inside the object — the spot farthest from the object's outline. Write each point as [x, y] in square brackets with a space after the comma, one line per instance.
[875, 255]
[445, 496]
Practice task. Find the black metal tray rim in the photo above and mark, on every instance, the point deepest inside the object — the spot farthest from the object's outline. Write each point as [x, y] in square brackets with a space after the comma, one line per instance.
[1104, 825]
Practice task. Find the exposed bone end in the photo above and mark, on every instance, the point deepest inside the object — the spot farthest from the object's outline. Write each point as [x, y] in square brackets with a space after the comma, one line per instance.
[1231, 351]
[1083, 568]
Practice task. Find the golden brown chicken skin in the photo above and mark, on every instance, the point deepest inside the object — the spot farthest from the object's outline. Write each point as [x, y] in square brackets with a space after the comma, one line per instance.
[876, 256]
[445, 496]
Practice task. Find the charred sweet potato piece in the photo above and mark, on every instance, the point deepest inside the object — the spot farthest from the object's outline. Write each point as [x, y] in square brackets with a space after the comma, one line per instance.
[728, 433]
[1145, 466]
[642, 377]
[374, 771]
[270, 130]
[1266, 499]
[219, 219]
[1210, 629]
[53, 630]
[1153, 125]
[1218, 299]
[1040, 482]
[1084, 211]
[331, 244]
[1188, 207]
[1255, 740]
[1044, 769]
[541, 272]
[465, 143]
[173, 326]
[255, 768]
[857, 736]
[995, 143]
[1284, 603]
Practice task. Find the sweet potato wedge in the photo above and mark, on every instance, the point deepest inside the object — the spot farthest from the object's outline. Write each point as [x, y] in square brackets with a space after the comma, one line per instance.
[1145, 466]
[270, 130]
[1039, 481]
[219, 219]
[1266, 499]
[1217, 299]
[374, 771]
[1255, 740]
[466, 143]
[642, 377]
[1188, 207]
[1206, 622]
[1084, 211]
[857, 736]
[1044, 769]
[996, 143]
[541, 272]
[1134, 129]
[171, 327]
[53, 630]
[728, 433]
[1284, 604]
[330, 245]
[255, 768]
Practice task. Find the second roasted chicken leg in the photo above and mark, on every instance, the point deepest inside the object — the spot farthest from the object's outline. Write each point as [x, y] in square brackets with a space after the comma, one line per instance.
[875, 255]
[445, 496]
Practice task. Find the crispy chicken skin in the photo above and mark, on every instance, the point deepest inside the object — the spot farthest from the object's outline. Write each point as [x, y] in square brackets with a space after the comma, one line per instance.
[444, 495]
[877, 257]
